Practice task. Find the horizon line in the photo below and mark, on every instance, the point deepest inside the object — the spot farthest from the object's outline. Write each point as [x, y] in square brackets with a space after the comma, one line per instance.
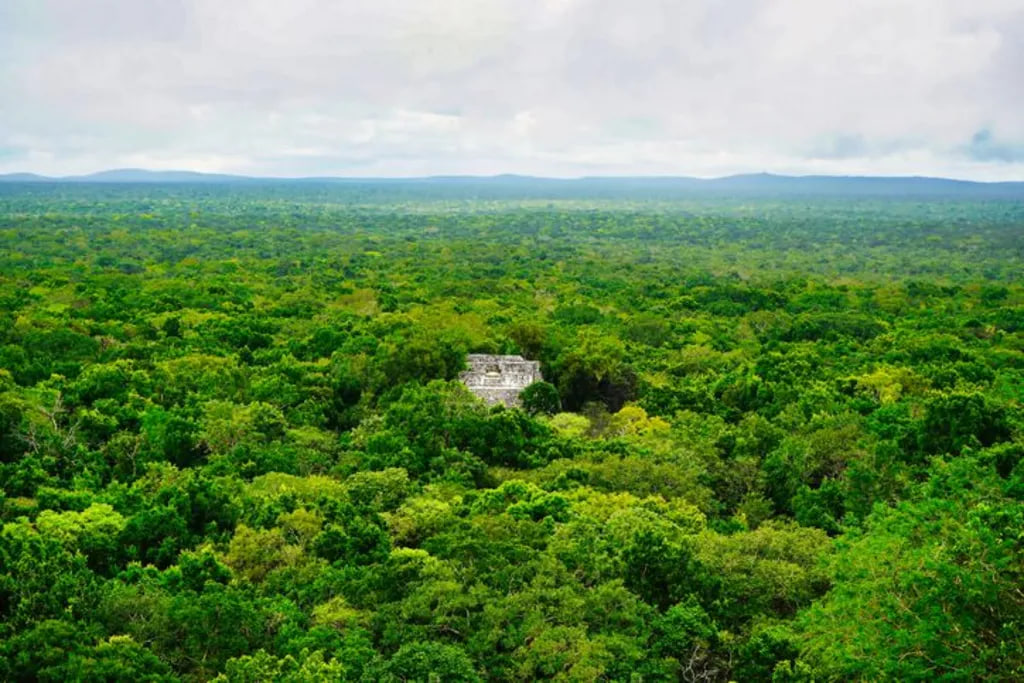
[214, 175]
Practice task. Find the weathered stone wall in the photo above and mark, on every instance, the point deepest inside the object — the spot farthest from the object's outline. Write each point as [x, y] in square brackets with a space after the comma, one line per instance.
[499, 379]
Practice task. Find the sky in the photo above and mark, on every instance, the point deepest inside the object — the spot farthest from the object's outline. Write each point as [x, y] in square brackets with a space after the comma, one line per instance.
[543, 87]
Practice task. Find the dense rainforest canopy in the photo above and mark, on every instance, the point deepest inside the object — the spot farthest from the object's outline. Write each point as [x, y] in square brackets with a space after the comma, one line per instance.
[779, 437]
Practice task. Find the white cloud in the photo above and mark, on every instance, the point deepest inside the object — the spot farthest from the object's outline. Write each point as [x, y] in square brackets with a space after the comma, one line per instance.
[557, 87]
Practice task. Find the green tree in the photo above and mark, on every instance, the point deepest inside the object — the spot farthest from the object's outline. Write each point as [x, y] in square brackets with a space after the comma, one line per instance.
[541, 398]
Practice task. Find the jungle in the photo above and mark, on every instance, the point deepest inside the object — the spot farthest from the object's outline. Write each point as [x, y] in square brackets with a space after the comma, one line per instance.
[779, 437]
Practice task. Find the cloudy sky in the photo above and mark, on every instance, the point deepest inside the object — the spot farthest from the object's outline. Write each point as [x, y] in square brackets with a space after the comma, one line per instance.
[547, 87]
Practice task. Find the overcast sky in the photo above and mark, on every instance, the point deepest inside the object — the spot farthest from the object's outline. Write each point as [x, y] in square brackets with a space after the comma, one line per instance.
[546, 87]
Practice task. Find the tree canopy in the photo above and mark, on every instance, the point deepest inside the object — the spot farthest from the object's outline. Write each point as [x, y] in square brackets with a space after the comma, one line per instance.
[777, 438]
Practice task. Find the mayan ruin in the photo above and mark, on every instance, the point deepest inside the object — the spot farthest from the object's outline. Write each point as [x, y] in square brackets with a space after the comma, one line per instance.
[500, 379]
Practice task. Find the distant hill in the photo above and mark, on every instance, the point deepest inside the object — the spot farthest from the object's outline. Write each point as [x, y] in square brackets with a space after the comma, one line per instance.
[138, 175]
[127, 175]
[23, 178]
[754, 184]
[859, 184]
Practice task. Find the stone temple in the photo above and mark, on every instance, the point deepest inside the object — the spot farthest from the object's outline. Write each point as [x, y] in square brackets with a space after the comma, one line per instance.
[499, 379]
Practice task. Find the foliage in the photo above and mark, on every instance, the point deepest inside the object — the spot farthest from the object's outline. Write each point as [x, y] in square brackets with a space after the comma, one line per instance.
[776, 437]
